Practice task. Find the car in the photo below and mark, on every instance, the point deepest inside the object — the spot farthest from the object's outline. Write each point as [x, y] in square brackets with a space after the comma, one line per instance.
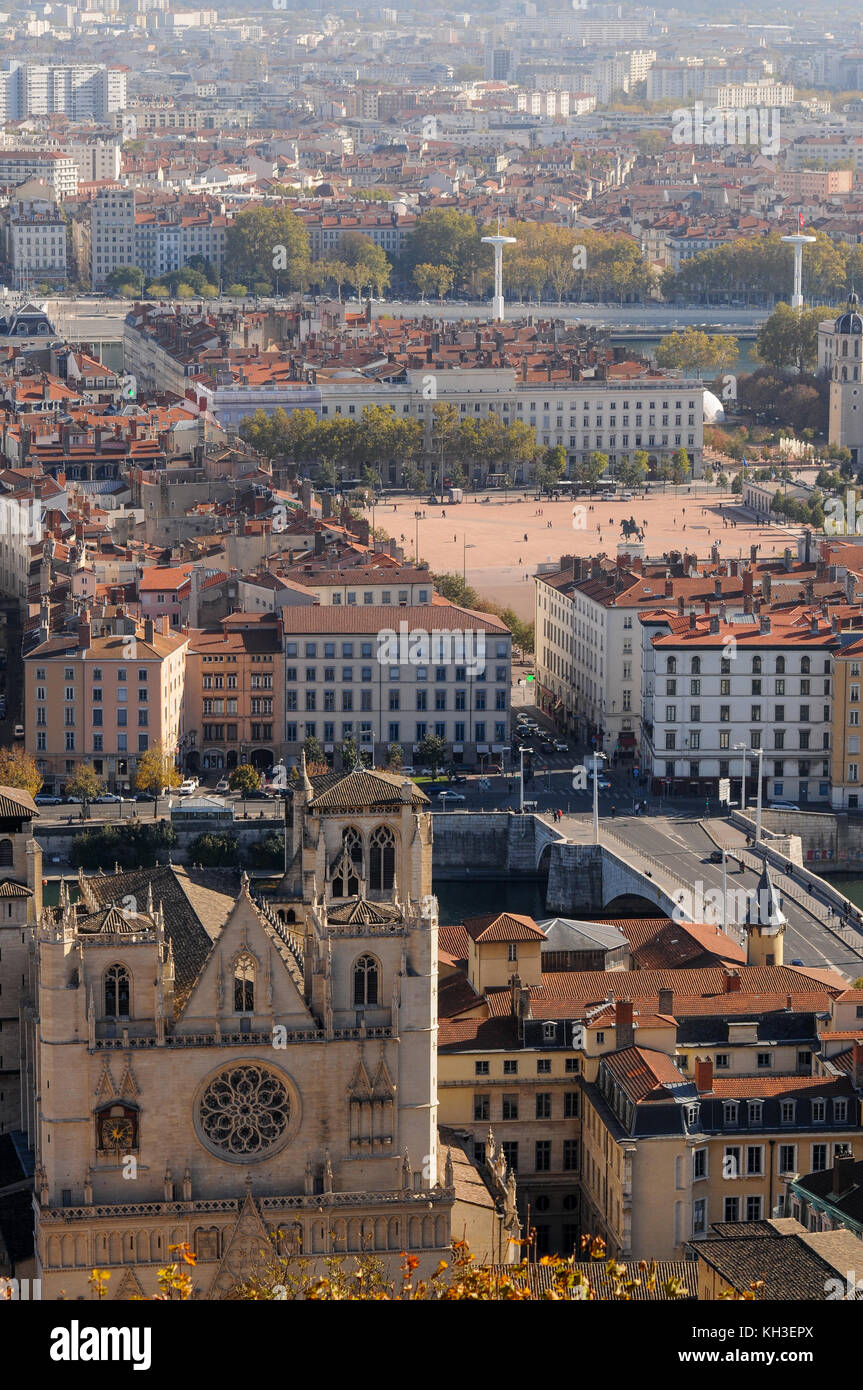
[107, 798]
[607, 497]
[72, 800]
[144, 796]
[546, 745]
[559, 746]
[796, 961]
[189, 787]
[715, 856]
[447, 795]
[783, 806]
[259, 795]
[45, 799]
[457, 779]
[625, 497]
[408, 771]
[222, 785]
[19, 731]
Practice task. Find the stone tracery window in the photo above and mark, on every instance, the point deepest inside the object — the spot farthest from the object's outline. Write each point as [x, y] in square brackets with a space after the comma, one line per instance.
[244, 984]
[117, 992]
[366, 981]
[346, 880]
[244, 1111]
[382, 856]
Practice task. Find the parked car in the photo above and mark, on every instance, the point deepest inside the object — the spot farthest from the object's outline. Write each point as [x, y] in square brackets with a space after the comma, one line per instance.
[446, 795]
[259, 795]
[560, 746]
[715, 856]
[107, 798]
[546, 745]
[145, 796]
[774, 805]
[222, 785]
[72, 800]
[457, 779]
[45, 799]
[189, 787]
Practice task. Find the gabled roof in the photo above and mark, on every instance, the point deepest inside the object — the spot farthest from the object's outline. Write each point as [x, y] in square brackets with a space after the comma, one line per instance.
[365, 789]
[362, 912]
[14, 801]
[502, 926]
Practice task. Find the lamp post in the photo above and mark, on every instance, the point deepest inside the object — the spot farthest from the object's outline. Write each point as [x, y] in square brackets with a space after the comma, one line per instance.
[595, 799]
[758, 802]
[742, 747]
[521, 753]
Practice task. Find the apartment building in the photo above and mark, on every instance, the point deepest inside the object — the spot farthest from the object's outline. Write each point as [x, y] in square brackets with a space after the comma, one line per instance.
[98, 159]
[369, 585]
[103, 699]
[112, 233]
[846, 786]
[81, 91]
[164, 242]
[34, 235]
[716, 692]
[234, 695]
[58, 171]
[387, 230]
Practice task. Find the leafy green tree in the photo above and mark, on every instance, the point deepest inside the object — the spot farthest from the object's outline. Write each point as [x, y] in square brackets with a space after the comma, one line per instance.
[245, 779]
[589, 470]
[431, 752]
[680, 466]
[632, 472]
[126, 279]
[213, 850]
[454, 588]
[133, 845]
[395, 757]
[445, 237]
[367, 263]
[789, 337]
[265, 242]
[314, 751]
[550, 467]
[266, 853]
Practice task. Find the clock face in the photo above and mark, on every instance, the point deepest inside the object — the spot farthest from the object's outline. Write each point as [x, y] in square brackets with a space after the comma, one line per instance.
[117, 1133]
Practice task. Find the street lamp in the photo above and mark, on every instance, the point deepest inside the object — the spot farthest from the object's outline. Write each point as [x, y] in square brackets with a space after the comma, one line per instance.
[521, 753]
[743, 748]
[468, 545]
[758, 802]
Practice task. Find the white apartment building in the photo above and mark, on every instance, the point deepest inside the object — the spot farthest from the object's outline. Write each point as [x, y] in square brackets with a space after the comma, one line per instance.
[35, 236]
[735, 96]
[79, 90]
[162, 245]
[98, 160]
[763, 682]
[583, 417]
[112, 233]
[59, 171]
[340, 680]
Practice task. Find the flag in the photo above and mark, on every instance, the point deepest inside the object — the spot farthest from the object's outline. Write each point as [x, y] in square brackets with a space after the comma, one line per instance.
[800, 221]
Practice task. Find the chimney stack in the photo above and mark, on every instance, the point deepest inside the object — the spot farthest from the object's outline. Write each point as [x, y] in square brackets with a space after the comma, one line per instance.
[843, 1174]
[857, 1054]
[732, 982]
[703, 1076]
[665, 1002]
[625, 1036]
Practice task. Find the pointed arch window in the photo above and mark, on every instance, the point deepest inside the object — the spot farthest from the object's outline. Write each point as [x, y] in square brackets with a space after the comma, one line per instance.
[118, 992]
[244, 984]
[346, 880]
[382, 854]
[366, 982]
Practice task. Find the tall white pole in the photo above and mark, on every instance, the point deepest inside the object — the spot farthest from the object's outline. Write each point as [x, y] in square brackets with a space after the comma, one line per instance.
[521, 781]
[724, 895]
[595, 801]
[758, 803]
[743, 757]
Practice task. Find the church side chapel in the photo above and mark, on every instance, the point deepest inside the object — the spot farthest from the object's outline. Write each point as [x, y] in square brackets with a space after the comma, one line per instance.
[218, 1069]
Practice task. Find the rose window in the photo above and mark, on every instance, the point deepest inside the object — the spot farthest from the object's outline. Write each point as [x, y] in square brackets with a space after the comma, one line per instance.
[245, 1111]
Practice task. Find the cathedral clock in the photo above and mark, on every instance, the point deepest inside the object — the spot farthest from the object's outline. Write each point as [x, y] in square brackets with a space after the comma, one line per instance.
[116, 1133]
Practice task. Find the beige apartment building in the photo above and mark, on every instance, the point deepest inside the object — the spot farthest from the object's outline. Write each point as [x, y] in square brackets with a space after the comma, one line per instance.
[234, 705]
[104, 697]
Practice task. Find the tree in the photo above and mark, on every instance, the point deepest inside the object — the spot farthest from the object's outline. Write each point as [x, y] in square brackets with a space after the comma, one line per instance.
[263, 243]
[126, 279]
[268, 852]
[85, 784]
[680, 466]
[245, 779]
[632, 472]
[18, 769]
[213, 850]
[395, 757]
[155, 770]
[693, 351]
[550, 467]
[367, 263]
[431, 752]
[350, 753]
[445, 237]
[314, 751]
[589, 470]
[789, 337]
[454, 588]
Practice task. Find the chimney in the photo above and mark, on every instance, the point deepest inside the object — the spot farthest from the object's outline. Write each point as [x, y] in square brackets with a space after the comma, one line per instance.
[764, 623]
[703, 1076]
[717, 588]
[753, 553]
[767, 586]
[693, 620]
[669, 589]
[843, 1175]
[85, 631]
[625, 1031]
[680, 604]
[665, 1002]
[149, 630]
[732, 982]
[747, 581]
[857, 1054]
[714, 626]
[747, 603]
[787, 561]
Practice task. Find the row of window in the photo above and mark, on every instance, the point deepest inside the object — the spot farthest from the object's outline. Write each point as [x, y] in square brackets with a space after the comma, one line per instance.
[543, 1107]
[98, 745]
[757, 666]
[367, 649]
[366, 732]
[510, 1065]
[751, 1113]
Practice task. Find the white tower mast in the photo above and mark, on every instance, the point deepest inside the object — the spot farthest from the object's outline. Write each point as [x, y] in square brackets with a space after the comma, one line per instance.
[498, 243]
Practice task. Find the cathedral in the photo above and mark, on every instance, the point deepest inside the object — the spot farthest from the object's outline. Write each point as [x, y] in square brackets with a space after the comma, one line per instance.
[206, 1065]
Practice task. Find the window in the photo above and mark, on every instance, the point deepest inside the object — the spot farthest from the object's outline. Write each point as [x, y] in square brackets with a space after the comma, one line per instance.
[510, 1154]
[542, 1156]
[512, 951]
[699, 1216]
[244, 984]
[754, 1160]
[571, 1064]
[382, 856]
[819, 1112]
[509, 1109]
[480, 1068]
[756, 1109]
[510, 1067]
[543, 1105]
[731, 1162]
[543, 1066]
[753, 1208]
[787, 1111]
[840, 1111]
[765, 1060]
[570, 1155]
[731, 1209]
[723, 1061]
[729, 1112]
[117, 992]
[481, 1107]
[787, 1158]
[699, 1163]
[570, 1105]
[366, 982]
[819, 1158]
